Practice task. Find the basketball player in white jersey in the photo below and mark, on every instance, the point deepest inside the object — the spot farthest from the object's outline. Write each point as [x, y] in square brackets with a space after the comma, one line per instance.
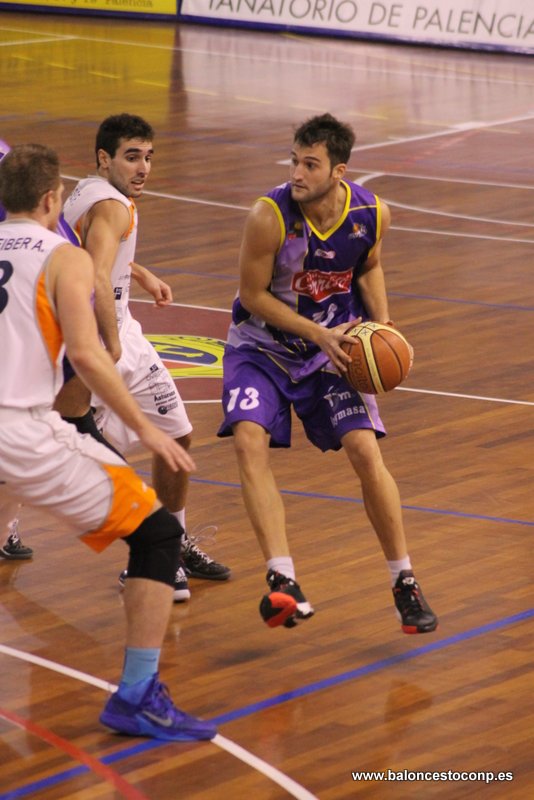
[45, 306]
[102, 211]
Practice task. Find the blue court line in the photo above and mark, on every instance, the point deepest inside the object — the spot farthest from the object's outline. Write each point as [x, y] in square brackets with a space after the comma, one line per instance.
[338, 499]
[272, 702]
[370, 669]
[461, 301]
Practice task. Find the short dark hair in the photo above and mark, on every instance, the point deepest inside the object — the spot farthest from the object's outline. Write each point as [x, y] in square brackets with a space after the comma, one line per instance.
[121, 126]
[27, 172]
[338, 137]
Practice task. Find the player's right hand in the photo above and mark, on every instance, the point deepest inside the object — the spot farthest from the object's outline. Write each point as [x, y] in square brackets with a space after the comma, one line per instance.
[174, 454]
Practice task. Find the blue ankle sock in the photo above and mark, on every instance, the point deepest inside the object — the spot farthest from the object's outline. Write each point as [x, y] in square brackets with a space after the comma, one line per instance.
[140, 665]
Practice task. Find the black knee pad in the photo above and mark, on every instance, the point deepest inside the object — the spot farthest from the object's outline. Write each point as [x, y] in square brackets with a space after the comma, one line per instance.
[155, 548]
[87, 424]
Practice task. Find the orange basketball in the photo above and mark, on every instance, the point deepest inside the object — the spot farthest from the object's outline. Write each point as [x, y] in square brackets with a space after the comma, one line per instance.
[381, 358]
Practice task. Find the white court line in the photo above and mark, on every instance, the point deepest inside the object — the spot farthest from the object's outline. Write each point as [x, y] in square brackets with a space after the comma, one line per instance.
[417, 391]
[363, 179]
[398, 388]
[37, 41]
[309, 62]
[195, 200]
[420, 391]
[433, 232]
[462, 127]
[467, 396]
[288, 784]
[52, 665]
[184, 305]
[469, 217]
[177, 197]
[421, 177]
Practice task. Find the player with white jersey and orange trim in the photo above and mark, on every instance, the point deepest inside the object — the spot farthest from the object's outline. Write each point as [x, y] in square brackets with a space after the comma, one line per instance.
[102, 210]
[46, 286]
[13, 549]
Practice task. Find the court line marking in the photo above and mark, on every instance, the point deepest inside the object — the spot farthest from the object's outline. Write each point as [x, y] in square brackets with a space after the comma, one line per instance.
[288, 784]
[358, 501]
[90, 763]
[460, 127]
[457, 235]
[392, 203]
[418, 177]
[47, 40]
[353, 66]
[469, 217]
[439, 393]
[455, 129]
[303, 691]
[376, 666]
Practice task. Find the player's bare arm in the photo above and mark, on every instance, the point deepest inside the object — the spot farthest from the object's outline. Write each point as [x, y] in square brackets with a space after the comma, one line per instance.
[160, 291]
[71, 278]
[105, 225]
[261, 241]
[372, 282]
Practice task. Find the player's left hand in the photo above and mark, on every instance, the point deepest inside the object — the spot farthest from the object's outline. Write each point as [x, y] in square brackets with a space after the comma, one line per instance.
[330, 341]
[160, 291]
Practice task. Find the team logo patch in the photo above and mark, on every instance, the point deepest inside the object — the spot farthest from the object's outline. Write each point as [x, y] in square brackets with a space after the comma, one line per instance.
[358, 231]
[189, 356]
[296, 231]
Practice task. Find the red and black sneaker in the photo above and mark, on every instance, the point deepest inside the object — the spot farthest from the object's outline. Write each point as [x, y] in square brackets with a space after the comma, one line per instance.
[413, 611]
[285, 604]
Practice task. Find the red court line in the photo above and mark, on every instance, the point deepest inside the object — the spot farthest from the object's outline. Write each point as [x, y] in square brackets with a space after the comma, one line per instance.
[109, 775]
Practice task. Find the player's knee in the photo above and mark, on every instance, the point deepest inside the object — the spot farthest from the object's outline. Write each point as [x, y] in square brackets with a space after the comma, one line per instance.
[364, 453]
[251, 443]
[155, 548]
[185, 441]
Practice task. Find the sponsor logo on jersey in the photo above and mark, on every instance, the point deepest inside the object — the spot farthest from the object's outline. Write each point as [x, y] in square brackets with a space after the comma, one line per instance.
[319, 285]
[325, 253]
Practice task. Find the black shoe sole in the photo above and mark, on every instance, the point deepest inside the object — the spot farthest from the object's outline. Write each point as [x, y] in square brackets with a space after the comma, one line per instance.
[18, 557]
[222, 576]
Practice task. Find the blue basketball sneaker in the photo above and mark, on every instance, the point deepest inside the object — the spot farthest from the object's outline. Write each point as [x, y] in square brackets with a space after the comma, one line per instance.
[156, 716]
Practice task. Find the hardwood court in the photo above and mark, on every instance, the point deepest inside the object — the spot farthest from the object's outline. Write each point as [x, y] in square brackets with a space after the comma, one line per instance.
[446, 139]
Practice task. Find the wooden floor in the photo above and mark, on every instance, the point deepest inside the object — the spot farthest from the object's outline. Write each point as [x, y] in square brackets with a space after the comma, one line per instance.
[445, 138]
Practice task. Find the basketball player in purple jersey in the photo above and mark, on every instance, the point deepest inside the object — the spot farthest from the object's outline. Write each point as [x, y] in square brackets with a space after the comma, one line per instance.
[310, 265]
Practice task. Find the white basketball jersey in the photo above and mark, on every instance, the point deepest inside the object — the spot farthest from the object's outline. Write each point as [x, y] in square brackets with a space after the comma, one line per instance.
[88, 192]
[31, 339]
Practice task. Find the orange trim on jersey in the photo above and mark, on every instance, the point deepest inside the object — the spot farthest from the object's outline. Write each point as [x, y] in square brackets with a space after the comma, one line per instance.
[132, 502]
[131, 209]
[46, 319]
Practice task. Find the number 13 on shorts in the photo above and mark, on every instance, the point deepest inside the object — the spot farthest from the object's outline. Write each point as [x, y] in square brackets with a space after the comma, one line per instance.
[245, 399]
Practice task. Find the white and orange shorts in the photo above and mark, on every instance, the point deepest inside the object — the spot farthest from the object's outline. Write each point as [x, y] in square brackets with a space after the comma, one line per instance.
[46, 463]
[150, 382]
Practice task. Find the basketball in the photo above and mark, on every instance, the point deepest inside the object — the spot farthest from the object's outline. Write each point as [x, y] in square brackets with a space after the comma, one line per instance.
[381, 358]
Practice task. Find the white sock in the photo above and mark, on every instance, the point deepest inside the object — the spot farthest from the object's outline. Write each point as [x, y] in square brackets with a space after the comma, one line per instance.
[282, 564]
[180, 516]
[396, 567]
